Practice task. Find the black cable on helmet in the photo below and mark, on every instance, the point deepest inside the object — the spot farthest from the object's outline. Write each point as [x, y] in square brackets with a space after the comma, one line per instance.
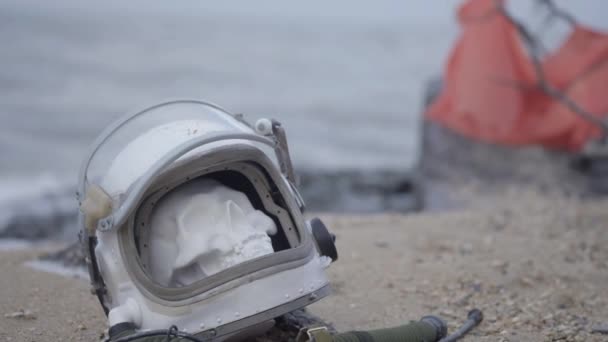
[172, 332]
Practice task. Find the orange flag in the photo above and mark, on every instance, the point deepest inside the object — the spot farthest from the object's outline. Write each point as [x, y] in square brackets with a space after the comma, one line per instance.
[490, 91]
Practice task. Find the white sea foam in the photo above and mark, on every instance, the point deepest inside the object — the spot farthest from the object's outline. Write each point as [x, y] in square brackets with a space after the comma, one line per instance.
[58, 268]
[14, 245]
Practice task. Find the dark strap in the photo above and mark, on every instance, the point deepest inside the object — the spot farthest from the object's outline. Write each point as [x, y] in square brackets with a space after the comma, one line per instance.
[118, 330]
[363, 336]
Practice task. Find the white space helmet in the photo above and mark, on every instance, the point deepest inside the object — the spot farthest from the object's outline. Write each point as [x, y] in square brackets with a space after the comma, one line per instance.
[190, 217]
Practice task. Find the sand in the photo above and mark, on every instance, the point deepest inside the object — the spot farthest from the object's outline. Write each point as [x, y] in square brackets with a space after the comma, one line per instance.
[62, 308]
[536, 264]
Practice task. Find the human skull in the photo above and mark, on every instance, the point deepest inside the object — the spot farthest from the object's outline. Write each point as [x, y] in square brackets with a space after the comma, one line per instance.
[201, 228]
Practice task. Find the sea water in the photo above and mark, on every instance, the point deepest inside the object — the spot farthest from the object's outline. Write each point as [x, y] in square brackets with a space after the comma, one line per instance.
[345, 77]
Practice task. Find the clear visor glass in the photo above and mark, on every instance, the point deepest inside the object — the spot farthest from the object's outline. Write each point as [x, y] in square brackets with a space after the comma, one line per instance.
[199, 229]
[129, 148]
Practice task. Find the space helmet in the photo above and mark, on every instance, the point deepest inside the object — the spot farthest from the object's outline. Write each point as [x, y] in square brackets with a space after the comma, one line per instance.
[190, 217]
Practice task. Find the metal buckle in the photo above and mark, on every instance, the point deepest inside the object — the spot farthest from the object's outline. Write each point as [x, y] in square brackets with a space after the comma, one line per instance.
[308, 334]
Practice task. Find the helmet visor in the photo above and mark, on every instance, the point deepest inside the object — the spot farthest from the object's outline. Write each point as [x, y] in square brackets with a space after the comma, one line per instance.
[142, 142]
[200, 228]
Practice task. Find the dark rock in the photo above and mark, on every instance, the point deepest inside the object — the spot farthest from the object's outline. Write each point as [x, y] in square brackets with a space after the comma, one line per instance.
[452, 158]
[449, 159]
[52, 213]
[361, 191]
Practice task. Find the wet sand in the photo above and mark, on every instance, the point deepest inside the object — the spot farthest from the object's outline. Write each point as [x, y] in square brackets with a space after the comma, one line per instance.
[536, 264]
[62, 308]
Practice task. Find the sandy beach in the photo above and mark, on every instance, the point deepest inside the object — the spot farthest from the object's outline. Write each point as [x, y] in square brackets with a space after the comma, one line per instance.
[536, 264]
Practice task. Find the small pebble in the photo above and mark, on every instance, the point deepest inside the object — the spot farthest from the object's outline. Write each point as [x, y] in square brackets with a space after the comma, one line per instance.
[21, 314]
[381, 244]
[466, 248]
